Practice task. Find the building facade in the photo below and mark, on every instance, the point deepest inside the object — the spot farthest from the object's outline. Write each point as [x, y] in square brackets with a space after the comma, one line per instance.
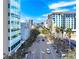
[15, 32]
[65, 19]
[25, 31]
[14, 29]
[49, 22]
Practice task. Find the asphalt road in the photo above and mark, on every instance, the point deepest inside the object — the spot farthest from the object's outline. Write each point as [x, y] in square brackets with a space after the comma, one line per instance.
[38, 50]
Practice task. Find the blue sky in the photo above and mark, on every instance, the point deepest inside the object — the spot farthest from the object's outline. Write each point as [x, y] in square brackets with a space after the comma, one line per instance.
[39, 9]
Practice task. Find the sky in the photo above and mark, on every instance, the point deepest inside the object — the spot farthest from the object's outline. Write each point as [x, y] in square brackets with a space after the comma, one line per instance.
[39, 9]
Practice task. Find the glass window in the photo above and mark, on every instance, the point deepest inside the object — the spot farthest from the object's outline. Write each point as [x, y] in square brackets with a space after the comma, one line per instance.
[14, 36]
[8, 48]
[12, 22]
[8, 30]
[14, 7]
[12, 47]
[8, 14]
[75, 24]
[15, 29]
[8, 22]
[8, 38]
[14, 15]
[8, 5]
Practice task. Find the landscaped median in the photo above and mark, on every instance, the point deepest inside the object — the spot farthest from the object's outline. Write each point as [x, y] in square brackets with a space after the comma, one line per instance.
[70, 55]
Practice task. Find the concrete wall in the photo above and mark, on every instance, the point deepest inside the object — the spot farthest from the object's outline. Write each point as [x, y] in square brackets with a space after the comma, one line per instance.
[5, 28]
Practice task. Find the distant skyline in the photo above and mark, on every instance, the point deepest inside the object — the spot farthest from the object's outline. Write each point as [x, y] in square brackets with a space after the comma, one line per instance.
[39, 9]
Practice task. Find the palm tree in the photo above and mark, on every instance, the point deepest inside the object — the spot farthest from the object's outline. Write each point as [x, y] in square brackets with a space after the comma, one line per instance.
[69, 31]
[57, 29]
[57, 41]
[62, 30]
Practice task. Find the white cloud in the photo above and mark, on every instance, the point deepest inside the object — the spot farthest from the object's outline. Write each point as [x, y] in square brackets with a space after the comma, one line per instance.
[60, 10]
[46, 14]
[41, 18]
[61, 4]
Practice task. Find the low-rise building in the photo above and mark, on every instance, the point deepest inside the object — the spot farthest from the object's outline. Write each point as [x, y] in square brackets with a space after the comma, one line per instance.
[25, 31]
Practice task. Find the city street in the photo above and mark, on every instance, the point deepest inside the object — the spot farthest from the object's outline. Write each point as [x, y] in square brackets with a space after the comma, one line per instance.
[39, 50]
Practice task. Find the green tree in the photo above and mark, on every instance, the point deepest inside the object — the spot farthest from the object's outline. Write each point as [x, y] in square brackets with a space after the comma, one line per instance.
[62, 30]
[57, 29]
[44, 31]
[69, 31]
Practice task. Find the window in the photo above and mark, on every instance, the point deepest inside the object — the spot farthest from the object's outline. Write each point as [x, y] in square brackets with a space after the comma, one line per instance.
[8, 5]
[8, 22]
[15, 29]
[8, 38]
[75, 24]
[12, 47]
[13, 7]
[53, 15]
[8, 14]
[14, 36]
[12, 22]
[14, 15]
[8, 48]
[8, 30]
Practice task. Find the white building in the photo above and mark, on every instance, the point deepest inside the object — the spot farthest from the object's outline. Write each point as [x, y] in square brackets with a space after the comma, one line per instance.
[65, 19]
[25, 30]
[14, 28]
[12, 43]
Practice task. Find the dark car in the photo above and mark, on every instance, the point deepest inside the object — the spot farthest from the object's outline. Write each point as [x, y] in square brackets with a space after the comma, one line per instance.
[43, 40]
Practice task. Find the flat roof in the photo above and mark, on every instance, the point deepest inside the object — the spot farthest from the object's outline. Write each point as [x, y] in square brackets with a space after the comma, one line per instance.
[62, 13]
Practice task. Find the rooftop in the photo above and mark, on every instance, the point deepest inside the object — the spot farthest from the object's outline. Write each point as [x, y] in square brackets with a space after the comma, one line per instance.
[63, 13]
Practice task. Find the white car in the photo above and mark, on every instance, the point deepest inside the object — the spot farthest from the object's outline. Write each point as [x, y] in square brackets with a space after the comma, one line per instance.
[48, 51]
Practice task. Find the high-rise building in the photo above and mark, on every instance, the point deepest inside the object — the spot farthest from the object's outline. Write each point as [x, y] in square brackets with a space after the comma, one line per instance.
[14, 29]
[65, 19]
[31, 22]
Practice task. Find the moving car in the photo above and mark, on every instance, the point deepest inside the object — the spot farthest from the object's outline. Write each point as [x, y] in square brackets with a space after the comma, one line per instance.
[48, 51]
[43, 40]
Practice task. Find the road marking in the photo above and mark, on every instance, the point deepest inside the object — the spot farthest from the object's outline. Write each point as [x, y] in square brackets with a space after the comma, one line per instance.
[42, 52]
